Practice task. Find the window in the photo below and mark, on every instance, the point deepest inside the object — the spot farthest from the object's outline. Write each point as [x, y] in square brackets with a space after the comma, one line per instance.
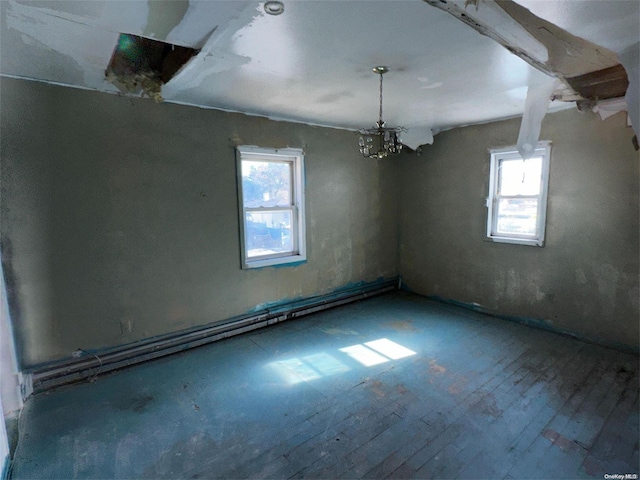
[517, 199]
[271, 200]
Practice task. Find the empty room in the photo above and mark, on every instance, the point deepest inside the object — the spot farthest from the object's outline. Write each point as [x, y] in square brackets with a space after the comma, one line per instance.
[319, 239]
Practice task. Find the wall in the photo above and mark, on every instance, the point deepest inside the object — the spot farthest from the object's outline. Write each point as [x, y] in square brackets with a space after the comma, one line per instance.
[10, 399]
[4, 447]
[10, 395]
[584, 280]
[120, 221]
[9, 392]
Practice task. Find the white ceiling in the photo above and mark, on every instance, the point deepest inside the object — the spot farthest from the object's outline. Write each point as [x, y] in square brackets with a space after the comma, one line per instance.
[613, 24]
[312, 63]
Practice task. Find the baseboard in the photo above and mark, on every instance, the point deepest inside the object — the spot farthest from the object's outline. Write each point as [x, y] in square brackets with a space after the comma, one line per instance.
[540, 324]
[73, 370]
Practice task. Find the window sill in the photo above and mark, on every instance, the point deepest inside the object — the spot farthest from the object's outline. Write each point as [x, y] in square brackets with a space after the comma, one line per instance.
[290, 261]
[532, 242]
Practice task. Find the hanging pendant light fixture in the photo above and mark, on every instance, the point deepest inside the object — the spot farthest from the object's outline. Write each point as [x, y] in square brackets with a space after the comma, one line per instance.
[380, 141]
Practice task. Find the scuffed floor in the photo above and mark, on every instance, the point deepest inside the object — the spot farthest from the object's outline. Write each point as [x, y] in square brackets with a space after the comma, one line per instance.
[396, 386]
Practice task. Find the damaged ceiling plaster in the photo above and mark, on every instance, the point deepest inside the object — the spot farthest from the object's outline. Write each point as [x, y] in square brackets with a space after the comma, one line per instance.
[460, 63]
[592, 71]
[143, 65]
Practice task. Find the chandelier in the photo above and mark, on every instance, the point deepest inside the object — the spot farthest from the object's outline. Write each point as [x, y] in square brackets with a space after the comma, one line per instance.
[380, 141]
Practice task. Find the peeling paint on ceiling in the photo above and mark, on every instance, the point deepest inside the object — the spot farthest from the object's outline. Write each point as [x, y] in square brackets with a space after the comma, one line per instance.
[544, 45]
[568, 54]
[613, 25]
[163, 17]
[312, 63]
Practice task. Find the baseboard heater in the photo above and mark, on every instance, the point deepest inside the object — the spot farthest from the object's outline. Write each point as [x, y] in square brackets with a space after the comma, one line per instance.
[92, 364]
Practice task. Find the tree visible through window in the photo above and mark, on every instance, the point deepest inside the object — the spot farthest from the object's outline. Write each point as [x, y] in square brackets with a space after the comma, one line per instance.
[518, 196]
[271, 198]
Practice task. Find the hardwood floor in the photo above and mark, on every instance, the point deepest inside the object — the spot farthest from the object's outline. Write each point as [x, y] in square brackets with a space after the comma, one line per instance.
[392, 387]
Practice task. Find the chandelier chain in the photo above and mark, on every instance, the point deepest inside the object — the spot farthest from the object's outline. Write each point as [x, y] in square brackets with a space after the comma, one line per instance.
[381, 99]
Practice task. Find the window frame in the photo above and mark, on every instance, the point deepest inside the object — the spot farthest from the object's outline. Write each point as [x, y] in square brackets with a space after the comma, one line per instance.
[295, 157]
[543, 149]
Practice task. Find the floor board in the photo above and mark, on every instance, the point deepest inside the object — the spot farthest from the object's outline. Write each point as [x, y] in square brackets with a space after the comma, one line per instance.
[396, 386]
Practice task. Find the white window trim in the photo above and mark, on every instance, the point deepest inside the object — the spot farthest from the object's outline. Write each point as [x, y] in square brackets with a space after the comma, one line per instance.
[300, 244]
[544, 149]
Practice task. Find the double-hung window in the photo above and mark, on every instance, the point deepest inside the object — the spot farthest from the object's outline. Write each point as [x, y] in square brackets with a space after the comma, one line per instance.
[517, 200]
[271, 199]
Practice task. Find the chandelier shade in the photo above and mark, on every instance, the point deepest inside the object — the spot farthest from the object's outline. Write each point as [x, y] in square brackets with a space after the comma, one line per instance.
[380, 141]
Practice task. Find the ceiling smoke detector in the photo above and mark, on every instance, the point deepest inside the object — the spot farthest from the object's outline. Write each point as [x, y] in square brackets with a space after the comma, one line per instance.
[274, 7]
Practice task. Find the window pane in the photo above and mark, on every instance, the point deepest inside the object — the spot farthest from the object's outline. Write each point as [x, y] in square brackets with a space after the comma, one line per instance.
[266, 184]
[517, 215]
[520, 178]
[268, 232]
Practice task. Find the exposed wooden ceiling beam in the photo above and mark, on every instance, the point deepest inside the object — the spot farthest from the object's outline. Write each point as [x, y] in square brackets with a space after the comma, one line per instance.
[591, 71]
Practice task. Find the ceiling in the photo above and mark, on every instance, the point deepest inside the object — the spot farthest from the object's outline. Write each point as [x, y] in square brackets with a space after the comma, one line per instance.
[313, 63]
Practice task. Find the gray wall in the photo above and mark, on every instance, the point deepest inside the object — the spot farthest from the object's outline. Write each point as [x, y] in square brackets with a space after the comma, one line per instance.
[584, 280]
[9, 383]
[120, 221]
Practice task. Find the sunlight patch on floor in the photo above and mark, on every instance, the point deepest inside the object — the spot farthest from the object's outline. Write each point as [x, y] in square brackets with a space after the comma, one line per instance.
[321, 364]
[364, 355]
[309, 367]
[390, 349]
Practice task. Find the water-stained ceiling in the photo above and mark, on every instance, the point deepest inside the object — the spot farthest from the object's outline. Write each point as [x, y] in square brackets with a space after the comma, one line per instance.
[313, 62]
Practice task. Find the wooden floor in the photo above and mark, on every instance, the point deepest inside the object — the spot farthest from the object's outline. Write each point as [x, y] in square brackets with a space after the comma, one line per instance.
[392, 387]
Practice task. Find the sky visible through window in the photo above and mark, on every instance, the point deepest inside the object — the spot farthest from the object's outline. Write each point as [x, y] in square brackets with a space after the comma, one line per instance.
[518, 177]
[267, 185]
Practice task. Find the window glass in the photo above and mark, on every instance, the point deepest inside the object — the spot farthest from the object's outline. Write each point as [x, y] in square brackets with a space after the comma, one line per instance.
[271, 202]
[518, 177]
[268, 232]
[266, 184]
[517, 200]
[517, 215]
